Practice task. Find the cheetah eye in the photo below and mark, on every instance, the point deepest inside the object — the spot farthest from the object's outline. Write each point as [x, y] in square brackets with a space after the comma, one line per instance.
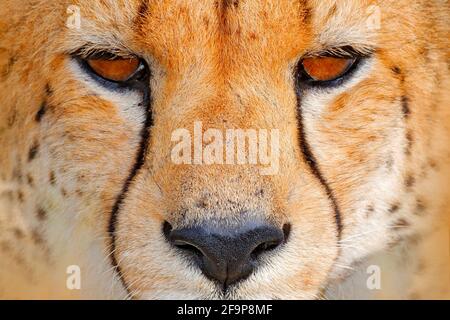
[321, 69]
[117, 70]
[114, 71]
[331, 66]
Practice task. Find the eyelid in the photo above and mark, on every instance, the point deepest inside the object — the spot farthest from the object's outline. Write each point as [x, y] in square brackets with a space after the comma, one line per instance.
[347, 51]
[88, 52]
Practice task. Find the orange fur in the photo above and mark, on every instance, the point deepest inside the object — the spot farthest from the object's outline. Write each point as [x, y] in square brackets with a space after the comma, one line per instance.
[380, 141]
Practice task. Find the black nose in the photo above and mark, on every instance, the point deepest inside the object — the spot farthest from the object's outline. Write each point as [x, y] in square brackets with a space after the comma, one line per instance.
[227, 255]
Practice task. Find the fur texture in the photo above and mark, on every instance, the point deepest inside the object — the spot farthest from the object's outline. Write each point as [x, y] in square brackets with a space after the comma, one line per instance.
[70, 148]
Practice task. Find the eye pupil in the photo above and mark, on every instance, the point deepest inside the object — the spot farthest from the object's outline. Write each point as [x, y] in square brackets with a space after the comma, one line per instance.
[326, 68]
[118, 70]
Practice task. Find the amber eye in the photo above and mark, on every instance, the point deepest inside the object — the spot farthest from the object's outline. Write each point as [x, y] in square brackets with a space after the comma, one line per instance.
[117, 70]
[326, 68]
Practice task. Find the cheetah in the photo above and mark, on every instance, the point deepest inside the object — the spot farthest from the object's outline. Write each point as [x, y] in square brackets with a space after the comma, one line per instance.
[95, 96]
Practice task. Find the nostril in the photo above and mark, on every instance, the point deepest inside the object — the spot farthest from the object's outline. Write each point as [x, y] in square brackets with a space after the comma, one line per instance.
[226, 255]
[264, 247]
[269, 245]
[183, 240]
[187, 247]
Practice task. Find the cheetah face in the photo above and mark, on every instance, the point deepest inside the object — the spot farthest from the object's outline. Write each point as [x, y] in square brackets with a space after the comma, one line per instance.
[136, 158]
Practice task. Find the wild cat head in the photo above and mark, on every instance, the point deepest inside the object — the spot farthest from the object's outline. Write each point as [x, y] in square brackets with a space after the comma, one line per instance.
[222, 149]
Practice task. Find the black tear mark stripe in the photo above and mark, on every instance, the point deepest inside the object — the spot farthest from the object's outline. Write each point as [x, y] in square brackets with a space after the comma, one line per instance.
[312, 163]
[304, 145]
[405, 106]
[306, 149]
[139, 162]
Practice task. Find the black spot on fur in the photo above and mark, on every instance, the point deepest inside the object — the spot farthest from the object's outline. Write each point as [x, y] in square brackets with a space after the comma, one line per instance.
[52, 178]
[420, 207]
[36, 237]
[202, 204]
[226, 4]
[401, 223]
[20, 196]
[433, 165]
[12, 118]
[41, 214]
[306, 13]
[410, 181]
[405, 106]
[30, 180]
[64, 192]
[33, 151]
[409, 143]
[18, 233]
[370, 210]
[41, 112]
[48, 90]
[43, 108]
[396, 70]
[143, 8]
[390, 163]
[394, 207]
[142, 14]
